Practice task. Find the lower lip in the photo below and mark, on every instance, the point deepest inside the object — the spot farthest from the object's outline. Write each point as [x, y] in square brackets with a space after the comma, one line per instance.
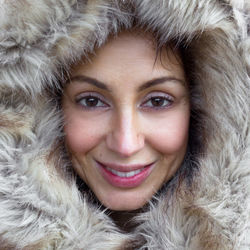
[125, 182]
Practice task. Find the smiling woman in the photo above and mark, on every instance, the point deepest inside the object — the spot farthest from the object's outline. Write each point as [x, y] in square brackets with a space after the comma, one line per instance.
[127, 119]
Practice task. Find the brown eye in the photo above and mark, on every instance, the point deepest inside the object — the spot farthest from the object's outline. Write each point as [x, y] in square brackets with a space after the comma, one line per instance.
[158, 101]
[91, 101]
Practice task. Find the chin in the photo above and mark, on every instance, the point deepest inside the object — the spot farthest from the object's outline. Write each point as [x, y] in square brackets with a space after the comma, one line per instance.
[124, 202]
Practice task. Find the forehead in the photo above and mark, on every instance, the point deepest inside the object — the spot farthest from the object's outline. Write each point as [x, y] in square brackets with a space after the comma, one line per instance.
[130, 56]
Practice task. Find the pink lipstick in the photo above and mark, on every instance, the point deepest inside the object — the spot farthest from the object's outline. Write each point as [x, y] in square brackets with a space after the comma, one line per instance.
[126, 176]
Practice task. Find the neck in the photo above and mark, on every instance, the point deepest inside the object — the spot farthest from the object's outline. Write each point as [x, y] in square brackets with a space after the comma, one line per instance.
[124, 219]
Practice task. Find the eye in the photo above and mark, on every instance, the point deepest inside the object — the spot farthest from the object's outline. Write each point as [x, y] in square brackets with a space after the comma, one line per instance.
[157, 101]
[90, 101]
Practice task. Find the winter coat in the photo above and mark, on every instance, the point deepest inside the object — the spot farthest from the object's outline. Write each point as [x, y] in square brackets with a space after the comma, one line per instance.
[42, 205]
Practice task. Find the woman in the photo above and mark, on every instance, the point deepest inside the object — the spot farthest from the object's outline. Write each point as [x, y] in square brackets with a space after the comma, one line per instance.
[126, 119]
[125, 124]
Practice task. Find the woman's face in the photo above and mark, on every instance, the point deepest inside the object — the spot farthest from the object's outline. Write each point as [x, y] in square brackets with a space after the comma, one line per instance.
[126, 120]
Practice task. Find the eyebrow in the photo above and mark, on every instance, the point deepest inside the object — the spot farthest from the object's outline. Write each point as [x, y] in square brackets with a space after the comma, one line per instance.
[160, 80]
[90, 80]
[148, 84]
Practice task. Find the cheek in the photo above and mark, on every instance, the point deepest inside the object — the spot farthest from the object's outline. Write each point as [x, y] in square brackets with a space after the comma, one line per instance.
[169, 135]
[81, 135]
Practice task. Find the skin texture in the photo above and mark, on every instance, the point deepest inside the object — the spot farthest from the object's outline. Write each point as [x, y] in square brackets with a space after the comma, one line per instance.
[126, 126]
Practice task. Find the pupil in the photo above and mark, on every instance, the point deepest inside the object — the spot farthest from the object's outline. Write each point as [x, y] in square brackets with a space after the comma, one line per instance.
[91, 101]
[157, 101]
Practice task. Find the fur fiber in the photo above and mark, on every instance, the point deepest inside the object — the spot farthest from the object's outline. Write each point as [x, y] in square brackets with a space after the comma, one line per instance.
[40, 204]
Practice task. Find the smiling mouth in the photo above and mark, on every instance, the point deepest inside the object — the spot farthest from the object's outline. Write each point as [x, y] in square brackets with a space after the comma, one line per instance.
[126, 176]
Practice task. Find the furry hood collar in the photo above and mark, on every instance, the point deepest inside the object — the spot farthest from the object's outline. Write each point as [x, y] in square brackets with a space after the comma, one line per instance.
[41, 206]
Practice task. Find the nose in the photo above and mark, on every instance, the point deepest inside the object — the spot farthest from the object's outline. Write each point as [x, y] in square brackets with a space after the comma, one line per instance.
[126, 136]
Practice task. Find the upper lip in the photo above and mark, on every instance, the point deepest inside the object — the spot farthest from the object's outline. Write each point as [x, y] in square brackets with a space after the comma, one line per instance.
[124, 168]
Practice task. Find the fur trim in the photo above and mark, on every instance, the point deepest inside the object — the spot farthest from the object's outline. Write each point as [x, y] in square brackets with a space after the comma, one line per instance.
[40, 204]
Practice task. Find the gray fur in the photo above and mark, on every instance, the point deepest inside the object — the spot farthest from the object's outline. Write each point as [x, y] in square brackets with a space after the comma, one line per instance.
[40, 204]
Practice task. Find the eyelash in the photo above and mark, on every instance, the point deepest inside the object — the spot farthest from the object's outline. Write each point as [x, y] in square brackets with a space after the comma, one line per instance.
[100, 103]
[161, 97]
[93, 96]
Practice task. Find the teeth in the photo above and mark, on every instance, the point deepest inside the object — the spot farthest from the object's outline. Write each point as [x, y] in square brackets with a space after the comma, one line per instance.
[124, 174]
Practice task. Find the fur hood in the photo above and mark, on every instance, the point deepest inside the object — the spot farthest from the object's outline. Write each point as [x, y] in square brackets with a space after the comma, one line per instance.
[41, 206]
